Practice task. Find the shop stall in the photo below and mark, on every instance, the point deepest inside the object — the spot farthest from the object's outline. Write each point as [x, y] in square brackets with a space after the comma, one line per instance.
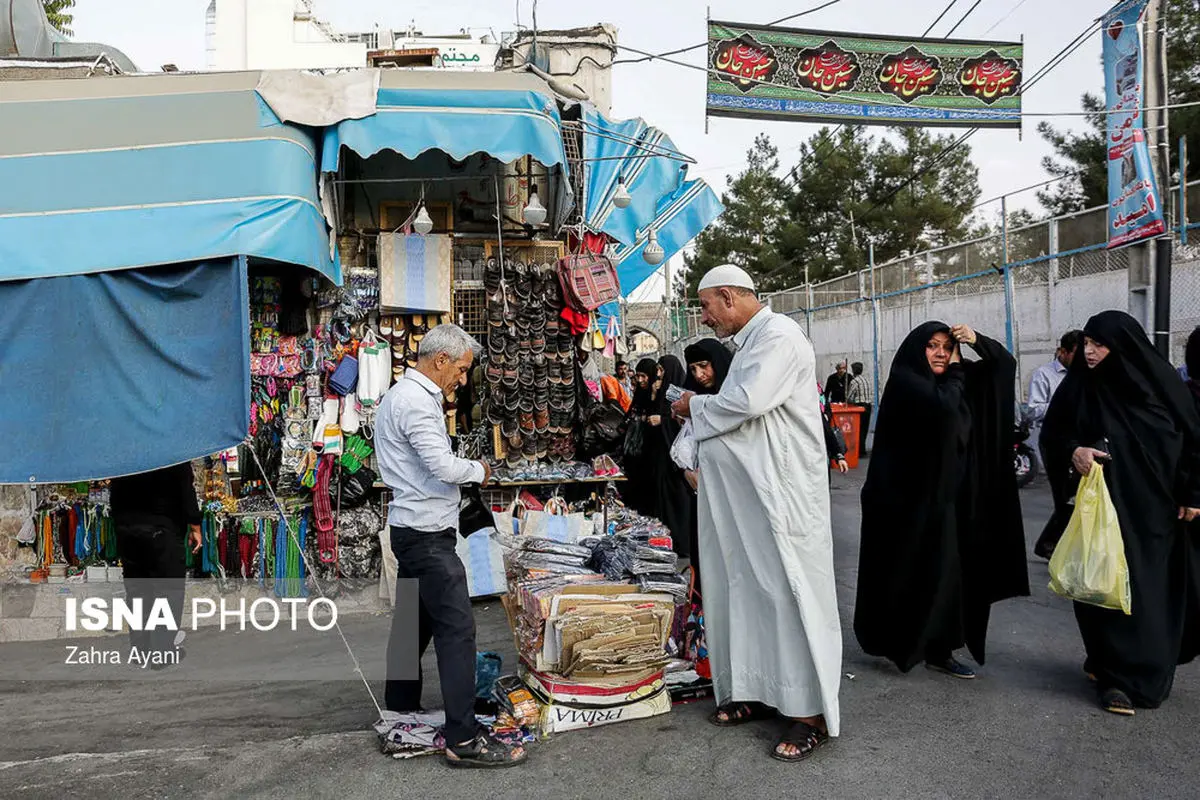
[249, 308]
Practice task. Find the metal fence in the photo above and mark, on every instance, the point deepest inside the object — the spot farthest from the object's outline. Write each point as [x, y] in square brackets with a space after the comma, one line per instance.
[1056, 275]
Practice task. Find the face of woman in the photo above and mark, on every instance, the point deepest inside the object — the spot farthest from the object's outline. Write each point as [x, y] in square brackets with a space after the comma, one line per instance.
[660, 371]
[938, 352]
[642, 380]
[704, 373]
[1093, 352]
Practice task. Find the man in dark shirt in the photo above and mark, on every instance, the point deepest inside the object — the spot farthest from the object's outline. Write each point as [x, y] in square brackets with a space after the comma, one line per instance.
[837, 384]
[154, 512]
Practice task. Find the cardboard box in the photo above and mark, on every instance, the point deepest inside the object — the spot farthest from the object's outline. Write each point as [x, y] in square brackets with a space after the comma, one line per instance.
[551, 688]
[560, 717]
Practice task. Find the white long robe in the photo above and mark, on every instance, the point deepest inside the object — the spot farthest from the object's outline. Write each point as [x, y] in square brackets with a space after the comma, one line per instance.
[766, 547]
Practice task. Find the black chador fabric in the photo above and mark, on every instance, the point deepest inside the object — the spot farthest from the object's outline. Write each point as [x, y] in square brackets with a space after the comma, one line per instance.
[671, 496]
[1134, 406]
[941, 529]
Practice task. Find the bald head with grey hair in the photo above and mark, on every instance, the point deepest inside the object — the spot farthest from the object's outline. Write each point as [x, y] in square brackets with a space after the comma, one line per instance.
[448, 339]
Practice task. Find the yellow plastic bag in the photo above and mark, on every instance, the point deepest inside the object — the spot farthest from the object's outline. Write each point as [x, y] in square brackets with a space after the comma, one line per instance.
[1088, 564]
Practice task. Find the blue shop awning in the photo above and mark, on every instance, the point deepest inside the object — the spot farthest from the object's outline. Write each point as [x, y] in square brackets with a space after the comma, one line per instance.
[680, 217]
[116, 173]
[508, 116]
[643, 156]
[121, 372]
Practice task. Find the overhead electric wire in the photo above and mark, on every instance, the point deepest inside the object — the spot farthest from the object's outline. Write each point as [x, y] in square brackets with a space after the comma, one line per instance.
[950, 32]
[651, 57]
[792, 174]
[944, 153]
[1004, 19]
[945, 11]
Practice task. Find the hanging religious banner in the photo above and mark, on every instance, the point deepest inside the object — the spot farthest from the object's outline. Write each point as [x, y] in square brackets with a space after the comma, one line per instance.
[765, 72]
[1134, 207]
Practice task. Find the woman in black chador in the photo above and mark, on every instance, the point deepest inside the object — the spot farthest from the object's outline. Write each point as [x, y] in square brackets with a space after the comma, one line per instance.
[941, 528]
[1123, 403]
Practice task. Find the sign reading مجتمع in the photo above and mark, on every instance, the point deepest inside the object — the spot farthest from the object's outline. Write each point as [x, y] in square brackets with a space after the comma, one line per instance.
[768, 72]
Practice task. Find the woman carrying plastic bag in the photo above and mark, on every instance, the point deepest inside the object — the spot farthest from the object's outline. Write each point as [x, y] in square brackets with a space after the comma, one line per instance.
[1122, 405]
[1088, 564]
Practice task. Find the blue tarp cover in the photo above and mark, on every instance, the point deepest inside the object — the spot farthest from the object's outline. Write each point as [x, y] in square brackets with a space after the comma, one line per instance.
[121, 173]
[505, 124]
[121, 372]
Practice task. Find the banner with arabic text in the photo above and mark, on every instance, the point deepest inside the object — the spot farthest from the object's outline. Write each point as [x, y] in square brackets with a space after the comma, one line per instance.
[1134, 207]
[767, 72]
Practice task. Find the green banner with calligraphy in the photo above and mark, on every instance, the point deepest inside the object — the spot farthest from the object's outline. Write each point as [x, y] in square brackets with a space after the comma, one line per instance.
[763, 72]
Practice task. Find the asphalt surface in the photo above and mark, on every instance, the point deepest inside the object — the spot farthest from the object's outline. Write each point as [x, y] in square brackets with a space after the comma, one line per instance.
[1028, 727]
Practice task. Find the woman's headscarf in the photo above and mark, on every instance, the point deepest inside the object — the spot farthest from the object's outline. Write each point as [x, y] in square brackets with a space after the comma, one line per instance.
[673, 375]
[613, 391]
[713, 352]
[642, 400]
[1133, 375]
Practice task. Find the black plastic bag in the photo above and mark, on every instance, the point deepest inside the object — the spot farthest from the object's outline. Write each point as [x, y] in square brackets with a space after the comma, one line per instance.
[357, 489]
[603, 426]
[473, 513]
[635, 439]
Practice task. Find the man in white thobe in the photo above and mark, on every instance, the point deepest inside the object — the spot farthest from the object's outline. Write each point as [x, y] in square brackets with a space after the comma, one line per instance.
[774, 638]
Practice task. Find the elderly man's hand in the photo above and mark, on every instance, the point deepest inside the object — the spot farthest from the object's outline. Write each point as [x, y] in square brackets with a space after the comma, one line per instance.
[682, 407]
[487, 473]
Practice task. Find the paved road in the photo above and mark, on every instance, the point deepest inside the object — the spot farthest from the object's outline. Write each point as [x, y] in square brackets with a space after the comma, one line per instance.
[1026, 728]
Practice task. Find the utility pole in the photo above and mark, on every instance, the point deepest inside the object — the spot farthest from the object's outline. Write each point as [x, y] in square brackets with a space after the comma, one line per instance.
[1156, 132]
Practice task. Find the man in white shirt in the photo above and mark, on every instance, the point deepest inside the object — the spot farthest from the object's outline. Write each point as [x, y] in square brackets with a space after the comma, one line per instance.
[424, 475]
[1046, 379]
[1042, 386]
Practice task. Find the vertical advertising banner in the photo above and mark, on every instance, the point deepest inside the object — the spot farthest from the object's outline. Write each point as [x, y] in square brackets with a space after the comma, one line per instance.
[1134, 207]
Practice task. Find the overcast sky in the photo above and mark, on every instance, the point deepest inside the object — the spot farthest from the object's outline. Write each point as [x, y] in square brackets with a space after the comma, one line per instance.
[156, 32]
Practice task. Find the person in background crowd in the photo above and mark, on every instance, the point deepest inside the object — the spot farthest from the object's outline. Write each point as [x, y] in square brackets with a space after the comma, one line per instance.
[1042, 385]
[1123, 404]
[154, 514]
[942, 536]
[624, 378]
[835, 446]
[859, 394]
[672, 497]
[766, 546]
[708, 363]
[418, 465]
[612, 390]
[637, 492]
[837, 384]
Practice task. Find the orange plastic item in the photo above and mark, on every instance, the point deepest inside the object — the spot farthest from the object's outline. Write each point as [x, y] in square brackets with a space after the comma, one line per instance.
[849, 420]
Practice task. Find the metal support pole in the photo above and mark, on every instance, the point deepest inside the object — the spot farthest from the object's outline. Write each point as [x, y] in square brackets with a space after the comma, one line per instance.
[1156, 98]
[808, 304]
[1183, 167]
[1008, 287]
[874, 339]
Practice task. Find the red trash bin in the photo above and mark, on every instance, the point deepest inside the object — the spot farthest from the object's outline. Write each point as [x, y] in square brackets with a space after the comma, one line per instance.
[848, 419]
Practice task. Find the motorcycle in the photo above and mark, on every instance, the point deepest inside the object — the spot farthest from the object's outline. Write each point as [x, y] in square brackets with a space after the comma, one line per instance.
[1025, 463]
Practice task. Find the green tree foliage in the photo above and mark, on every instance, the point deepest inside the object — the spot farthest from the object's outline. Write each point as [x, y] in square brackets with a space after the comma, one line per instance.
[754, 207]
[1085, 152]
[58, 12]
[775, 227]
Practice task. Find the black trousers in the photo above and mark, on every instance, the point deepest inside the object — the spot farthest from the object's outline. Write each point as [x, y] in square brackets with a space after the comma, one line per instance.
[154, 566]
[446, 619]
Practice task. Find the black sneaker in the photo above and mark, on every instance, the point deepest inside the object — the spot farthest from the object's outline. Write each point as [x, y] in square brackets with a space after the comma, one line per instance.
[952, 667]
